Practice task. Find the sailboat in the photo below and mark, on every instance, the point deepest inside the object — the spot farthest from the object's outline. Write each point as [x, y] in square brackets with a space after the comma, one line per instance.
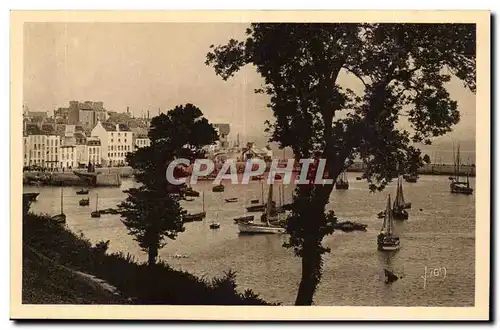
[258, 207]
[398, 209]
[386, 240]
[457, 186]
[96, 213]
[60, 218]
[267, 227]
[342, 182]
[197, 216]
[216, 224]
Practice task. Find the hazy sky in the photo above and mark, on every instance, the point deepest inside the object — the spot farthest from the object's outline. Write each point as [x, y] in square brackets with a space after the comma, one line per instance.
[158, 65]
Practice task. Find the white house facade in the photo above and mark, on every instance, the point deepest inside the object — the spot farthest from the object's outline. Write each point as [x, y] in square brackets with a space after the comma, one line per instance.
[116, 142]
[68, 157]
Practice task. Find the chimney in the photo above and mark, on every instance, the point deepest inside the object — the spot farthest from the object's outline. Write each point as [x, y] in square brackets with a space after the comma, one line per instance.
[128, 110]
[117, 127]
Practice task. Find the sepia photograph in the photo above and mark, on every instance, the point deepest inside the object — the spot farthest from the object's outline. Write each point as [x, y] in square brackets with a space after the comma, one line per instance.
[263, 160]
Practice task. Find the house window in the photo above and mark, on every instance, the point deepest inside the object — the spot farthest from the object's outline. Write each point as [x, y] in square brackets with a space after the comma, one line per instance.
[118, 134]
[118, 140]
[125, 140]
[111, 140]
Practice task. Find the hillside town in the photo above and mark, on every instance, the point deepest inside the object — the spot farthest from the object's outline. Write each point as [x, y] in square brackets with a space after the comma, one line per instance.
[87, 133]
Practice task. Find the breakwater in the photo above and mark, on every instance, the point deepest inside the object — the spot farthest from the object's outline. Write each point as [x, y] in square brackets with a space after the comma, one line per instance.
[111, 177]
[430, 169]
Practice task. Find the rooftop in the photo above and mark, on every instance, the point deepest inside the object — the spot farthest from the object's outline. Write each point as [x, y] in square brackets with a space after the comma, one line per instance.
[112, 127]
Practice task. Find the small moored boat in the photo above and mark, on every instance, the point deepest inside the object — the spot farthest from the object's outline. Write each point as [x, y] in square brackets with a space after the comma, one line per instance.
[246, 218]
[215, 225]
[84, 202]
[96, 213]
[61, 217]
[82, 192]
[218, 188]
[231, 200]
[189, 192]
[256, 208]
[194, 217]
[348, 226]
[342, 183]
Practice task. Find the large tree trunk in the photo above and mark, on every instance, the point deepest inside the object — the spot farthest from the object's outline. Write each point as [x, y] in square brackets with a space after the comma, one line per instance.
[152, 254]
[311, 264]
[312, 249]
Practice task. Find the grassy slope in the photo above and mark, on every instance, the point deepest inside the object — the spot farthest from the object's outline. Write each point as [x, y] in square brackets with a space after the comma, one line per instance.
[45, 282]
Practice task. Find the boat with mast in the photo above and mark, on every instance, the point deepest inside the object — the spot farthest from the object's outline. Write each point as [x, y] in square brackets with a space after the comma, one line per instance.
[96, 213]
[60, 218]
[398, 209]
[457, 186]
[387, 240]
[267, 227]
[196, 216]
[342, 182]
[258, 207]
[216, 224]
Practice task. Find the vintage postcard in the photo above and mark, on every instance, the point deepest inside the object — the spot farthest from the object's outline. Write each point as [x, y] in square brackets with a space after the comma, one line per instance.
[250, 165]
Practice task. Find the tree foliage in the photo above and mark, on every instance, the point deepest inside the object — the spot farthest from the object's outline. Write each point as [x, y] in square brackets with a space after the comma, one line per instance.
[152, 212]
[403, 69]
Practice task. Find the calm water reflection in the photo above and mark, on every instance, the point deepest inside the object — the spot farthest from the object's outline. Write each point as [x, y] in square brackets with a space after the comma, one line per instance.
[439, 233]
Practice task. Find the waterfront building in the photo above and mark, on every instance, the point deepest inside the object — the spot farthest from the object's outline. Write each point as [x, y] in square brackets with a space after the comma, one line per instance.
[94, 155]
[142, 141]
[67, 157]
[40, 148]
[81, 148]
[52, 151]
[116, 142]
[26, 151]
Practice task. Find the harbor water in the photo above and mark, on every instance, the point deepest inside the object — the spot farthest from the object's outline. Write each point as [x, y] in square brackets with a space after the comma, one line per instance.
[436, 261]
